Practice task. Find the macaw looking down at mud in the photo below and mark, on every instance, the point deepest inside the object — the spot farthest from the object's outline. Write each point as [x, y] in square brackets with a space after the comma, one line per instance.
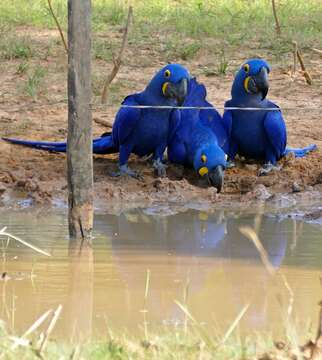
[142, 131]
[197, 138]
[256, 134]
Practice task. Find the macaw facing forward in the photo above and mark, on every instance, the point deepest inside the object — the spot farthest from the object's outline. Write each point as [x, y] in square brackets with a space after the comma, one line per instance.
[256, 134]
[142, 131]
[197, 137]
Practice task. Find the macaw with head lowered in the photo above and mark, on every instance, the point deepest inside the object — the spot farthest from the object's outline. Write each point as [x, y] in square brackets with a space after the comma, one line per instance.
[256, 134]
[197, 138]
[142, 131]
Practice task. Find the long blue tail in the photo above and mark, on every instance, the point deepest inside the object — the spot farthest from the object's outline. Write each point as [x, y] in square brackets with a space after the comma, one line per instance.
[300, 152]
[101, 145]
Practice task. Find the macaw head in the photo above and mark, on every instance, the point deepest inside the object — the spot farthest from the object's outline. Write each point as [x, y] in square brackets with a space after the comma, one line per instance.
[251, 80]
[210, 163]
[170, 85]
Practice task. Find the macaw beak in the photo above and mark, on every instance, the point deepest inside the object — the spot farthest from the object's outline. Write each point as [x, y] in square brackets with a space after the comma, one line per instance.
[176, 91]
[216, 177]
[258, 83]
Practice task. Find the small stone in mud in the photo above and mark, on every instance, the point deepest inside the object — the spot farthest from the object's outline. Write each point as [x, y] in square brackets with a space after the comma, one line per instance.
[251, 167]
[296, 187]
[247, 183]
[259, 193]
[2, 189]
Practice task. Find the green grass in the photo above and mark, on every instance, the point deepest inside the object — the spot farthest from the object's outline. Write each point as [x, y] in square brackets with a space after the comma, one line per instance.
[34, 81]
[237, 22]
[171, 345]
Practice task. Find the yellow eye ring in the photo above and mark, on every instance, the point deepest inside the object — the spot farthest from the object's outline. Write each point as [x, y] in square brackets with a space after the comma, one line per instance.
[203, 158]
[246, 68]
[167, 73]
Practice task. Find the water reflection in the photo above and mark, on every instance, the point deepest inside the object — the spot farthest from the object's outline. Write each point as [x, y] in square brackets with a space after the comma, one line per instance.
[202, 255]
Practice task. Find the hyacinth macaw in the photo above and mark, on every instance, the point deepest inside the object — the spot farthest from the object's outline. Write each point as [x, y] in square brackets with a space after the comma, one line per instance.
[142, 131]
[260, 134]
[197, 137]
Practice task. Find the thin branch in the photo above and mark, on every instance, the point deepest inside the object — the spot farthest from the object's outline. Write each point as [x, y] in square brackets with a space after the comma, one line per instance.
[278, 27]
[103, 122]
[58, 26]
[317, 51]
[4, 233]
[305, 73]
[31, 329]
[118, 61]
[294, 56]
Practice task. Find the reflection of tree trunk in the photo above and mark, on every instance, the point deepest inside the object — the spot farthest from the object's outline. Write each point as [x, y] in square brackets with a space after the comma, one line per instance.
[79, 304]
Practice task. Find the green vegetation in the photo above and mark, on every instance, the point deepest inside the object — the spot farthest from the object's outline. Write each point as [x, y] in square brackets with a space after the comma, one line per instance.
[171, 345]
[237, 22]
[34, 80]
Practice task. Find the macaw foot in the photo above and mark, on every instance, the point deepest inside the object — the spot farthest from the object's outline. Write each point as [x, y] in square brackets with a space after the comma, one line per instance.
[230, 164]
[124, 170]
[267, 168]
[160, 168]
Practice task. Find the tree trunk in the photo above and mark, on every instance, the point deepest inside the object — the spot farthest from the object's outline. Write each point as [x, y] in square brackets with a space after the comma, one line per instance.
[79, 140]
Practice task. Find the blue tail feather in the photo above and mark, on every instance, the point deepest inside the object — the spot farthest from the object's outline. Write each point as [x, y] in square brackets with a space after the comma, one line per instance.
[101, 145]
[300, 152]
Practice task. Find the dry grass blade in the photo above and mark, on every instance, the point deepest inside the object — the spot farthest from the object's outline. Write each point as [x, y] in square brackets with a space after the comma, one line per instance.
[31, 329]
[35, 248]
[50, 328]
[232, 327]
[118, 60]
[251, 235]
[202, 333]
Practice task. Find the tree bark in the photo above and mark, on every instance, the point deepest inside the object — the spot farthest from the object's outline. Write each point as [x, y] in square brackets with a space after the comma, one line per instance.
[79, 140]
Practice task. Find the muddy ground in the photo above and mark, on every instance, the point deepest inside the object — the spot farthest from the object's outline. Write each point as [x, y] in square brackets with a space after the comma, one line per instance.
[40, 176]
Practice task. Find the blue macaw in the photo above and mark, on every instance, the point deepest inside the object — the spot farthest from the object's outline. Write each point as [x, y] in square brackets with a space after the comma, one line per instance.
[142, 131]
[197, 138]
[260, 134]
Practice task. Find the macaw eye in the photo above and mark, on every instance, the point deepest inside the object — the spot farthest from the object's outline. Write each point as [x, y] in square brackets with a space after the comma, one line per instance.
[203, 158]
[246, 68]
[167, 73]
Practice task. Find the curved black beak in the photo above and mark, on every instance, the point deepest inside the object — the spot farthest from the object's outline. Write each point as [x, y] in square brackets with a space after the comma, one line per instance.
[216, 177]
[177, 91]
[259, 83]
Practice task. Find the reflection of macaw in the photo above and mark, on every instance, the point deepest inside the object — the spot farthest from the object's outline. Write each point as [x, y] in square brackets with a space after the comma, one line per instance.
[258, 134]
[142, 131]
[192, 142]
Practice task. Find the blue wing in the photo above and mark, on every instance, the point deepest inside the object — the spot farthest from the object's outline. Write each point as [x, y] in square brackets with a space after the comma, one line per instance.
[126, 121]
[275, 130]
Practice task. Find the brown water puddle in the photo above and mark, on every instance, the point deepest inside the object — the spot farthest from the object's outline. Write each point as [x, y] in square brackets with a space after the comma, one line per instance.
[199, 259]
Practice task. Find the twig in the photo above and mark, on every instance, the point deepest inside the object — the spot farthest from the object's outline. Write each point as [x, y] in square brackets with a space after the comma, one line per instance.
[4, 233]
[58, 26]
[278, 27]
[294, 56]
[305, 73]
[103, 122]
[118, 61]
[317, 51]
[50, 328]
[31, 329]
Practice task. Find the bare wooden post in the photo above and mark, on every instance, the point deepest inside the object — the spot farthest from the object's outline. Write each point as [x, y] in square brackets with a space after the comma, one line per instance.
[79, 140]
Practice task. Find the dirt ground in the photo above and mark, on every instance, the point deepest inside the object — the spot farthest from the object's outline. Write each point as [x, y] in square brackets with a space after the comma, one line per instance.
[40, 176]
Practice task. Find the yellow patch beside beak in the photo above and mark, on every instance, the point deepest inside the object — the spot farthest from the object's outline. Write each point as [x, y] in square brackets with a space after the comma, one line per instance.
[246, 81]
[203, 158]
[203, 171]
[164, 87]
